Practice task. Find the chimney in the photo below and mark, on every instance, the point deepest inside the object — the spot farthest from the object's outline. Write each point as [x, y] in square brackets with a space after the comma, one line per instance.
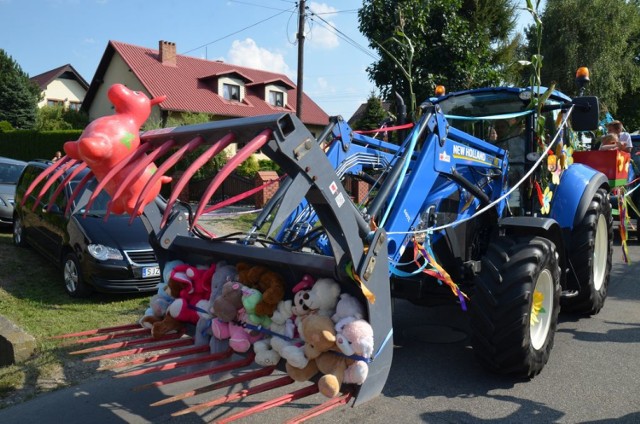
[167, 52]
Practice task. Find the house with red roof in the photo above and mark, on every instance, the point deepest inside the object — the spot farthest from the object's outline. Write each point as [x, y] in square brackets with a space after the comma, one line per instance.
[62, 86]
[218, 89]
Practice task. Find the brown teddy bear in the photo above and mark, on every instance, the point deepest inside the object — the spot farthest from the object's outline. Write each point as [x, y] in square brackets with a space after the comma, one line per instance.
[269, 283]
[319, 335]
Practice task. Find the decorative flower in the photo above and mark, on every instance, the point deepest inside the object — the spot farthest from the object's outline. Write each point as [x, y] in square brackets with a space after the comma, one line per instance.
[568, 156]
[546, 201]
[536, 307]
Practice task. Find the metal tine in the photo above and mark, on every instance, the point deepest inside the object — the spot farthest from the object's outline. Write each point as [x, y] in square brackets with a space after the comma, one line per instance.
[83, 182]
[110, 336]
[52, 179]
[163, 168]
[260, 388]
[178, 364]
[128, 343]
[44, 175]
[321, 409]
[231, 165]
[138, 350]
[207, 371]
[248, 376]
[289, 397]
[135, 173]
[140, 167]
[113, 171]
[96, 331]
[191, 170]
[155, 358]
[71, 175]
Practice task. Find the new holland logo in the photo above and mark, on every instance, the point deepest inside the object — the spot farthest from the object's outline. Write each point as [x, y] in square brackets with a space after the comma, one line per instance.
[444, 157]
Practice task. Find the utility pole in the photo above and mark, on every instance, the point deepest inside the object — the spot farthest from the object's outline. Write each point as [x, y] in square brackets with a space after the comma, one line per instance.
[301, 5]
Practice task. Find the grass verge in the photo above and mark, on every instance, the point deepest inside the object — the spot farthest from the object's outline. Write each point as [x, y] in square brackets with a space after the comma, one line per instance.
[32, 296]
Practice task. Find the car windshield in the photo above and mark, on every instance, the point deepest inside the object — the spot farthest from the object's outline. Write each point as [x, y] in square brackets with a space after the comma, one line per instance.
[99, 205]
[9, 173]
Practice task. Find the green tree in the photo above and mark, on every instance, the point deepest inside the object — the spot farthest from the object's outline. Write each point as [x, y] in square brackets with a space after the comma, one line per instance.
[18, 95]
[603, 35]
[458, 43]
[373, 114]
[52, 118]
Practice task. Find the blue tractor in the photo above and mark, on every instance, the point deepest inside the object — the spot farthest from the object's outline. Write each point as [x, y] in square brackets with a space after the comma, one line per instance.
[468, 207]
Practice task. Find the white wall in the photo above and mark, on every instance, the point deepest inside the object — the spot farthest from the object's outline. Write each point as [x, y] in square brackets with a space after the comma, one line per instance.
[65, 90]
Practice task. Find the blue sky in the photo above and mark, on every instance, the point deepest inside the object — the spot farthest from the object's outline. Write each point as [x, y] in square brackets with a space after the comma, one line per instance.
[44, 34]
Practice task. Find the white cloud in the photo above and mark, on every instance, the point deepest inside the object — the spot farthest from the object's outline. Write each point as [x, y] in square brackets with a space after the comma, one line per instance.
[322, 35]
[248, 53]
[89, 40]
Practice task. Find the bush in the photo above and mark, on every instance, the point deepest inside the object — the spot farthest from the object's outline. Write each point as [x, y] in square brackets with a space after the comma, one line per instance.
[28, 144]
[5, 126]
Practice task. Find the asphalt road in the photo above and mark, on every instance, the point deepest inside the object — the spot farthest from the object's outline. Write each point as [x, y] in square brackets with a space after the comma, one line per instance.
[592, 377]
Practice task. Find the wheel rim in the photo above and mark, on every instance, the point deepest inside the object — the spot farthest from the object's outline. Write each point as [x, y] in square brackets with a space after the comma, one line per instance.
[600, 251]
[17, 231]
[541, 309]
[70, 276]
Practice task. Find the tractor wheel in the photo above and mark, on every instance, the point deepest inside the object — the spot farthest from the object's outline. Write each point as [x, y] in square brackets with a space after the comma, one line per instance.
[590, 256]
[515, 305]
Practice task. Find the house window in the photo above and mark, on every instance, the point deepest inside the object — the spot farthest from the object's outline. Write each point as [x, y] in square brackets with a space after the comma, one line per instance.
[231, 92]
[54, 103]
[74, 105]
[276, 98]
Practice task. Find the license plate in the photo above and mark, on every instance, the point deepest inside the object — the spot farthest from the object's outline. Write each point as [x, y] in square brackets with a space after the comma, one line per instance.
[150, 271]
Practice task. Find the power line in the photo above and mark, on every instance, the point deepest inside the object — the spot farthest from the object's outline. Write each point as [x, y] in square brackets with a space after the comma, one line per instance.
[236, 32]
[343, 36]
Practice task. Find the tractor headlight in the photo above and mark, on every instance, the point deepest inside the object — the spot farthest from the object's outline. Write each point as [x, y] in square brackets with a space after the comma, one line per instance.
[103, 253]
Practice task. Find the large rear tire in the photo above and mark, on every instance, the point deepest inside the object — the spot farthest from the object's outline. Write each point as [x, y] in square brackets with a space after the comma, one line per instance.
[590, 256]
[515, 305]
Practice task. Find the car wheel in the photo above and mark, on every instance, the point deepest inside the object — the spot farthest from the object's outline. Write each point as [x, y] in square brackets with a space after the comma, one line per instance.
[73, 281]
[18, 232]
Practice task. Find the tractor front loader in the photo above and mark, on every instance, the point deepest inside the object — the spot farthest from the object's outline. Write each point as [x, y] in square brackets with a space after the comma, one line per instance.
[447, 220]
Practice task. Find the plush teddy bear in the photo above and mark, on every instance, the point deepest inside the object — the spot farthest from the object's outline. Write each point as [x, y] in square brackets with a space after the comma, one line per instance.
[224, 272]
[159, 302]
[348, 307]
[251, 298]
[194, 286]
[228, 308]
[323, 297]
[266, 355]
[269, 283]
[319, 335]
[292, 323]
[356, 339]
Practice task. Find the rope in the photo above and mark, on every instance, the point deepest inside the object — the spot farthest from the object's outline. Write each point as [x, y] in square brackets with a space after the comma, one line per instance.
[499, 199]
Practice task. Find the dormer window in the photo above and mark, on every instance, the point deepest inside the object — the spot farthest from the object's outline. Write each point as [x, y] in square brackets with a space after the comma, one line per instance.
[231, 92]
[276, 98]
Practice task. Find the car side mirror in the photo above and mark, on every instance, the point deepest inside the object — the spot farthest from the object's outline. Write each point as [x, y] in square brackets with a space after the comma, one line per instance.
[585, 113]
[55, 209]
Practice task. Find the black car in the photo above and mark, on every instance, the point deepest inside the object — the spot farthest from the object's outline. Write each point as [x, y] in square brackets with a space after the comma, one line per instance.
[10, 170]
[107, 256]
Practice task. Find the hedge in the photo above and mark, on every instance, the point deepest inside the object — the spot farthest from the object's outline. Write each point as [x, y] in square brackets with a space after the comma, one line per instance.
[28, 144]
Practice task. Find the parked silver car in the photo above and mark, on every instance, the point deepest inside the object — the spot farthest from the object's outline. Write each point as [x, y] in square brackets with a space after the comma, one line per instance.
[10, 170]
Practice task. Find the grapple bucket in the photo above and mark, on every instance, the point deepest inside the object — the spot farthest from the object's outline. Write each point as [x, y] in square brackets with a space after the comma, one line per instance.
[358, 262]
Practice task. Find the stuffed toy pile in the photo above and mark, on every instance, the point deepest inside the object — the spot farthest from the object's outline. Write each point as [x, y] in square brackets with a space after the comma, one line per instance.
[312, 326]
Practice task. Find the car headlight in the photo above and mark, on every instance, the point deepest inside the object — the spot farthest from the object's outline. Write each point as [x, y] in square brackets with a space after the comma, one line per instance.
[102, 252]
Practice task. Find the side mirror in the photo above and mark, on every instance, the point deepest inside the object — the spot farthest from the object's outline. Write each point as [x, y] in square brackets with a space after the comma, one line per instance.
[585, 113]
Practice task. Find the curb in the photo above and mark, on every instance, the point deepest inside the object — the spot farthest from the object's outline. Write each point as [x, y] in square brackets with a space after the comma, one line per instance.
[15, 344]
